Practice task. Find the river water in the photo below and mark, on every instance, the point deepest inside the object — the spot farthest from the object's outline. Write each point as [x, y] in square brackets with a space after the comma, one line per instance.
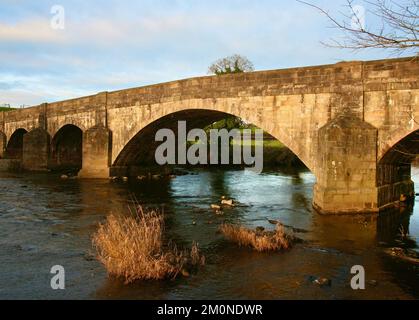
[46, 221]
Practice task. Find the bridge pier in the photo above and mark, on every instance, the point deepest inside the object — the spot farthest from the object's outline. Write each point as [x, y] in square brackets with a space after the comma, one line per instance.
[3, 145]
[36, 150]
[97, 142]
[347, 167]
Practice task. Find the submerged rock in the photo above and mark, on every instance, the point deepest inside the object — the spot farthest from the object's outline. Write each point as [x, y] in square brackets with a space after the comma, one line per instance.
[89, 257]
[372, 283]
[323, 282]
[185, 273]
[260, 229]
[64, 176]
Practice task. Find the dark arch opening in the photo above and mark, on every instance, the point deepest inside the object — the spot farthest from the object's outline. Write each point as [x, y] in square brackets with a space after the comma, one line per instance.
[140, 151]
[394, 170]
[14, 148]
[66, 149]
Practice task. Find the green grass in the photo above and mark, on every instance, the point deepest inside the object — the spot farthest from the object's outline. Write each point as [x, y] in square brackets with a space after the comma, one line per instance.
[273, 144]
[6, 109]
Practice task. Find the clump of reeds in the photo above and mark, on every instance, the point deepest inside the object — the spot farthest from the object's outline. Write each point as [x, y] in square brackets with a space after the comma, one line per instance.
[258, 240]
[133, 248]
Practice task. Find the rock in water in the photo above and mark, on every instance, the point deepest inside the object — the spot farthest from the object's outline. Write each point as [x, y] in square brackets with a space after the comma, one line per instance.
[226, 202]
[216, 207]
[323, 282]
[64, 176]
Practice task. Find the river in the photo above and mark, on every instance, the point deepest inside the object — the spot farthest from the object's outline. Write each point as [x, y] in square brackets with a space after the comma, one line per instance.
[47, 221]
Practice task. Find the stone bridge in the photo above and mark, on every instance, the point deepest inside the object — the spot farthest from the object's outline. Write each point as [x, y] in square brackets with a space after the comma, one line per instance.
[354, 125]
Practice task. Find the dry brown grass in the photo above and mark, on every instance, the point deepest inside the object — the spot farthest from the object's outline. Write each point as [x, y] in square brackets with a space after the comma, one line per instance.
[260, 241]
[133, 248]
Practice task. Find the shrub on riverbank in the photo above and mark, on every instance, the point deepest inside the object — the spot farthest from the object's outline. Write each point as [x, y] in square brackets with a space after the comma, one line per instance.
[258, 240]
[133, 248]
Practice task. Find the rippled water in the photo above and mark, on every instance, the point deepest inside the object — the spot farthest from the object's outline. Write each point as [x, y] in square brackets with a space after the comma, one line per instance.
[46, 221]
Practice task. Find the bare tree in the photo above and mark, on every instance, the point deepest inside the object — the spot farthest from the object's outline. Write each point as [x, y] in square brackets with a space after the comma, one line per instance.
[232, 64]
[398, 28]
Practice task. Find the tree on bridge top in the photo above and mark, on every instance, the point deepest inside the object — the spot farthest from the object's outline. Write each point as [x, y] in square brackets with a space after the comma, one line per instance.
[398, 27]
[233, 64]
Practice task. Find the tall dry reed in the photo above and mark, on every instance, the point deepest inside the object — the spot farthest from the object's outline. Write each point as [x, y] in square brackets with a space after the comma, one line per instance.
[133, 248]
[259, 241]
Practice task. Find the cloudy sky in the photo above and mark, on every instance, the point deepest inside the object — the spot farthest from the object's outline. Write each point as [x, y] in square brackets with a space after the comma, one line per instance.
[108, 45]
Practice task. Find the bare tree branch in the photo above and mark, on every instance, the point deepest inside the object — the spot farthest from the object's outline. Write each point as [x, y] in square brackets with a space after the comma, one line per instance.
[398, 31]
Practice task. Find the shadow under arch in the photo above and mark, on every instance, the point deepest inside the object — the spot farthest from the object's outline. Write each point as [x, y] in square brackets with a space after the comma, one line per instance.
[140, 150]
[66, 149]
[394, 170]
[14, 149]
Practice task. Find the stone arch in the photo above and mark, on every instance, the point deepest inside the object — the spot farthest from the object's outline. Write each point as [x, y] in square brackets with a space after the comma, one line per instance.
[67, 148]
[394, 169]
[402, 148]
[56, 124]
[14, 149]
[139, 144]
[257, 112]
[387, 140]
